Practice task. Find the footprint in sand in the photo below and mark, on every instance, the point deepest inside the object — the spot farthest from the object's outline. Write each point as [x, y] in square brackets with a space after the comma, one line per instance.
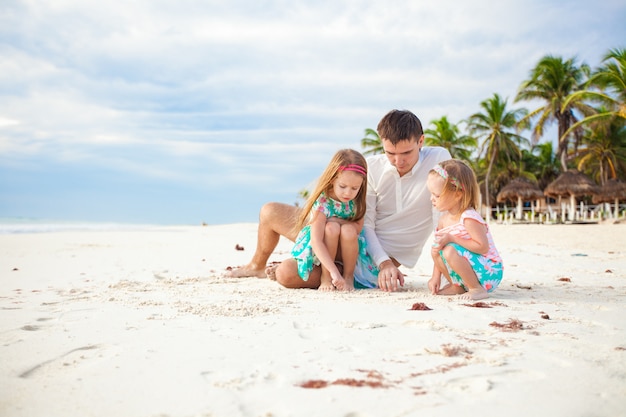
[59, 360]
[472, 385]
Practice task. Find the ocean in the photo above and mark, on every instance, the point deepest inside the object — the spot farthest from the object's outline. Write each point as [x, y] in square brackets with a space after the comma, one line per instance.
[29, 225]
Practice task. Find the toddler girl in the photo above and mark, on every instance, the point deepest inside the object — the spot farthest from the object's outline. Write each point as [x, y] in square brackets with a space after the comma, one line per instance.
[463, 252]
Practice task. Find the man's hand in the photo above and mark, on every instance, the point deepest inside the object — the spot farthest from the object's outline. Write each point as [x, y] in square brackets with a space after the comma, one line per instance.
[389, 276]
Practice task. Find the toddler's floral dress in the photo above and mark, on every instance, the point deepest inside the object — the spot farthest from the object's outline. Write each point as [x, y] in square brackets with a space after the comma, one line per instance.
[488, 266]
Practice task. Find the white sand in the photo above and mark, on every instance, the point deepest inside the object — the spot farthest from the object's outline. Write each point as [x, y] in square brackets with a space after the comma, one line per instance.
[141, 323]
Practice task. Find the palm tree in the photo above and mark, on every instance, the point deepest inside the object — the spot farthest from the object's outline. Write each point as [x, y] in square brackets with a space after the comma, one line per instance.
[606, 85]
[552, 81]
[544, 164]
[604, 152]
[303, 194]
[611, 76]
[372, 141]
[495, 124]
[526, 167]
[447, 135]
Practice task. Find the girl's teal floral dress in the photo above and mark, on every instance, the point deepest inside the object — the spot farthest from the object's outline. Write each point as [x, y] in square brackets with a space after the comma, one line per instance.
[302, 250]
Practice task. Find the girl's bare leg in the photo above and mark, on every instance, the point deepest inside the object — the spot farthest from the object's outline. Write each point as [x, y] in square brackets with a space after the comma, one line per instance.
[459, 264]
[449, 288]
[349, 244]
[331, 240]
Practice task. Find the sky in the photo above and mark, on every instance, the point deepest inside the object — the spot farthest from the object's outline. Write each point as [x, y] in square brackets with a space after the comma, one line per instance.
[200, 111]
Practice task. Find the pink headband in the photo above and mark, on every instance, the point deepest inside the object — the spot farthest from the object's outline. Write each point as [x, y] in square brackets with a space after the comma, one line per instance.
[444, 174]
[353, 167]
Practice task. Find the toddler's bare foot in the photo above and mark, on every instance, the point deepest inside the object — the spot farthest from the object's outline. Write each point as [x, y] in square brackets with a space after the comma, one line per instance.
[245, 272]
[270, 271]
[451, 290]
[475, 294]
[327, 287]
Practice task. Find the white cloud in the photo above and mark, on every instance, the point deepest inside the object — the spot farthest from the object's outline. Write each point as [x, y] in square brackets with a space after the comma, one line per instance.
[261, 93]
[4, 122]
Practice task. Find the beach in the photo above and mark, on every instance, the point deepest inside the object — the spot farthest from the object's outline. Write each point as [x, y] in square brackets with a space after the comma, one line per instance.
[142, 322]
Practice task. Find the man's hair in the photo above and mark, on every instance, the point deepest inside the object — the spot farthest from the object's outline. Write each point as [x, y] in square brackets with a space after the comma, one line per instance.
[400, 125]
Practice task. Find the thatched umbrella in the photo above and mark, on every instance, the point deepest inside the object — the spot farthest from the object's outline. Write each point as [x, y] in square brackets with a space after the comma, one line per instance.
[613, 190]
[573, 184]
[519, 190]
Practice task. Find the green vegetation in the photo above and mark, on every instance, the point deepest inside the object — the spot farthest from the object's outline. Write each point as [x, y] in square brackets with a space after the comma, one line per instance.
[587, 105]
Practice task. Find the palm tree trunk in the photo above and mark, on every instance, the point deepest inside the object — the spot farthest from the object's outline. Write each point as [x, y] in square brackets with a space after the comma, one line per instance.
[563, 126]
[489, 167]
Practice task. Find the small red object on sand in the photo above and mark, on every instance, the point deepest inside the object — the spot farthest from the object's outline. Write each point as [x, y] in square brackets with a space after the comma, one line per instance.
[420, 306]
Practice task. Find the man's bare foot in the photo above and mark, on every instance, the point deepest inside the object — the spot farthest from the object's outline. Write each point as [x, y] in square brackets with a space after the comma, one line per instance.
[270, 271]
[245, 272]
[451, 290]
[475, 294]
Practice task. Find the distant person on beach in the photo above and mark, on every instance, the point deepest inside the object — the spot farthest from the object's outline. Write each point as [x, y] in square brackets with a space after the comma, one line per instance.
[330, 228]
[399, 214]
[463, 252]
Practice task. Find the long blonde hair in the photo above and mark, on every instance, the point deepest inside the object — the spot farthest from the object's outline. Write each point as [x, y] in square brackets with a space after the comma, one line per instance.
[340, 160]
[459, 177]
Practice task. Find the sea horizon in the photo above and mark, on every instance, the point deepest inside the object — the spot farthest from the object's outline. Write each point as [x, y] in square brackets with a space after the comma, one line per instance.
[16, 225]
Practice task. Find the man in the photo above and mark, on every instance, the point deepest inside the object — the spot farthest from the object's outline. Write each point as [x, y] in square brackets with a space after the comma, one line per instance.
[399, 215]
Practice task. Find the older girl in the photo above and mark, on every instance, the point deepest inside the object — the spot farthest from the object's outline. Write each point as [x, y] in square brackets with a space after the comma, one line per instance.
[330, 225]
